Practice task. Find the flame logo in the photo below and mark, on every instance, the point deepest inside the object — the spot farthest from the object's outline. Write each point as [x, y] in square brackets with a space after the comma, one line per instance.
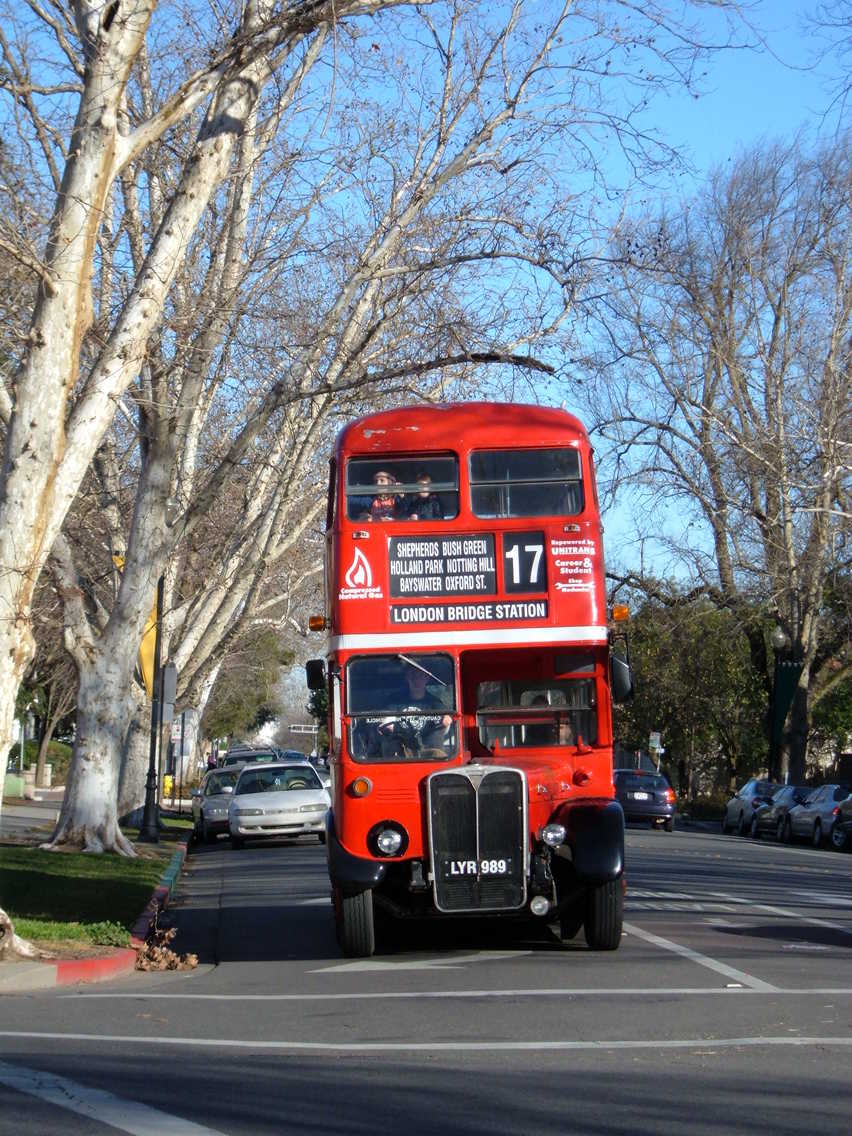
[360, 574]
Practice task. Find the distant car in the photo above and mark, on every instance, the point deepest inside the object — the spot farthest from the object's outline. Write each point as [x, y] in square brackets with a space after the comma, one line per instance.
[742, 805]
[841, 830]
[210, 803]
[815, 818]
[283, 798]
[770, 818]
[645, 796]
[242, 756]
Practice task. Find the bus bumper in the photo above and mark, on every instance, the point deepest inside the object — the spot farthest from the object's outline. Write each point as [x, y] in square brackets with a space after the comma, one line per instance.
[351, 874]
[594, 832]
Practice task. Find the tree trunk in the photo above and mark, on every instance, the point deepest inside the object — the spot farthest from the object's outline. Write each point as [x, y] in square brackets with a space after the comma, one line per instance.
[11, 945]
[134, 755]
[89, 816]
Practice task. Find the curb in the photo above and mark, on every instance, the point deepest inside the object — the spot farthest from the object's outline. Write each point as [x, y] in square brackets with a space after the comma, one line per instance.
[21, 977]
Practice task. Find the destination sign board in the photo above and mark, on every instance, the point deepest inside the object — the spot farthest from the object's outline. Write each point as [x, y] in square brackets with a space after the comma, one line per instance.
[457, 565]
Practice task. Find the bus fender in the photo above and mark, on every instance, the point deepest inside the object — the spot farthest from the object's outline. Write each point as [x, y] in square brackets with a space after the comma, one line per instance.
[352, 874]
[594, 831]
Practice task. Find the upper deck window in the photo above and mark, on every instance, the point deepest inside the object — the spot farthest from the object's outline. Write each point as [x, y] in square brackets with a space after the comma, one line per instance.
[526, 483]
[424, 488]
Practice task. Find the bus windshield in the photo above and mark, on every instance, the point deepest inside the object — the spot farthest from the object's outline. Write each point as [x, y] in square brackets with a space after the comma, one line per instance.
[401, 707]
[526, 483]
[516, 714]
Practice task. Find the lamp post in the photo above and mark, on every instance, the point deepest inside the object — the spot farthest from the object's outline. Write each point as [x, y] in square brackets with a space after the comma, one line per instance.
[778, 639]
[149, 831]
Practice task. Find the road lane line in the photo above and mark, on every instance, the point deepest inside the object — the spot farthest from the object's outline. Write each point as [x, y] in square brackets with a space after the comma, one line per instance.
[399, 1046]
[702, 960]
[120, 1112]
[391, 995]
[787, 913]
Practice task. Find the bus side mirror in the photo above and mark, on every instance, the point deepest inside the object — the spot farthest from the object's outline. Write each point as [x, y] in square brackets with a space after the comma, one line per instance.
[315, 674]
[621, 678]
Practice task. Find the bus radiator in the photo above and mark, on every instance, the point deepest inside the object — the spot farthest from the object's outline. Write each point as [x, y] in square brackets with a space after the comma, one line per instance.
[478, 837]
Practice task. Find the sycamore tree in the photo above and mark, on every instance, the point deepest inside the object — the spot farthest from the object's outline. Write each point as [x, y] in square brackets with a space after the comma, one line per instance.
[726, 404]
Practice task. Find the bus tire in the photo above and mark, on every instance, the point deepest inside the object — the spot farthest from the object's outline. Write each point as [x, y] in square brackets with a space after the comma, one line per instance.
[604, 916]
[356, 929]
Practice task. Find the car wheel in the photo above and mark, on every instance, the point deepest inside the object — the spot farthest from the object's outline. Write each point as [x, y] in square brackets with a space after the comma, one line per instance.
[668, 824]
[779, 831]
[321, 837]
[725, 824]
[206, 835]
[839, 839]
[356, 930]
[816, 837]
[237, 842]
[752, 828]
[604, 916]
[788, 831]
[741, 825]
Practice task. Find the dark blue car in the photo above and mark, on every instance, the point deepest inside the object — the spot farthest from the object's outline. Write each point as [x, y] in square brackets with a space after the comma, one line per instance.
[645, 796]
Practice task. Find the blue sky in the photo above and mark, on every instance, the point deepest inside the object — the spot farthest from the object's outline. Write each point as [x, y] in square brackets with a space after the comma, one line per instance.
[752, 94]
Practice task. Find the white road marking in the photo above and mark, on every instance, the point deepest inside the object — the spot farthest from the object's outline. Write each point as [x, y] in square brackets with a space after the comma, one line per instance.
[797, 916]
[391, 995]
[702, 960]
[704, 1043]
[120, 1112]
[435, 962]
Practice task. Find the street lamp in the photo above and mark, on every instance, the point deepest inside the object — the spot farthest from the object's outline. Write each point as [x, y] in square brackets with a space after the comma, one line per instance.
[778, 639]
[149, 831]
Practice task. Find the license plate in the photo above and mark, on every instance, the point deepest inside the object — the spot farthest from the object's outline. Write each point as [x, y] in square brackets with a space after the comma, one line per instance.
[492, 868]
[640, 796]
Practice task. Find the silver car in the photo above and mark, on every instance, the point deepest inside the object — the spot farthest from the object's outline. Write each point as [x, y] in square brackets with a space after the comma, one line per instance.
[815, 818]
[210, 803]
[283, 798]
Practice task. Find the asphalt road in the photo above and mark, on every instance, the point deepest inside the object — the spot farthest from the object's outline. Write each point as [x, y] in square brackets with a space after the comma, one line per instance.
[728, 1008]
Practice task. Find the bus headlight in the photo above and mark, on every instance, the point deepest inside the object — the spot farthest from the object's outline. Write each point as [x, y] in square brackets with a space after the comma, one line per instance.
[553, 835]
[387, 838]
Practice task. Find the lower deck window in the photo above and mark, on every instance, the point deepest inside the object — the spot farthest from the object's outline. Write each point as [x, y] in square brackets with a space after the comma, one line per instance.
[514, 714]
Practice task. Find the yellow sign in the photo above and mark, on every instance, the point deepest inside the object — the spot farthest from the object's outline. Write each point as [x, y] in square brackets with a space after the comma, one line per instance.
[145, 660]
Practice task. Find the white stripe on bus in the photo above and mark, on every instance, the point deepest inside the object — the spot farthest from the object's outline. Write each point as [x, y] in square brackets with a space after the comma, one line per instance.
[487, 637]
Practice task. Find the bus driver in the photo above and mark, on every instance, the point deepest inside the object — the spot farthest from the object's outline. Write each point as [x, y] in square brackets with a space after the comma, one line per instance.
[418, 727]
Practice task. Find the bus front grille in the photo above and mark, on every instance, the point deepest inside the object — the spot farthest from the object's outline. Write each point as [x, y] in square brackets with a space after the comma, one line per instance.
[477, 833]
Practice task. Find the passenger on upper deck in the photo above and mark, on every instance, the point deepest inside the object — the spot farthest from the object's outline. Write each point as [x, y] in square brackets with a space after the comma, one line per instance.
[425, 505]
[385, 506]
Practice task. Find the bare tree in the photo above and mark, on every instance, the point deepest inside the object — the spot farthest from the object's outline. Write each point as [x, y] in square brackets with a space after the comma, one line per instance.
[725, 395]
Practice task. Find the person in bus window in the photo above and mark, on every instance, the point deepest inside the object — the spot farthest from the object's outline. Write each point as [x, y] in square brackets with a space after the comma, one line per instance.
[540, 732]
[386, 505]
[425, 505]
[419, 725]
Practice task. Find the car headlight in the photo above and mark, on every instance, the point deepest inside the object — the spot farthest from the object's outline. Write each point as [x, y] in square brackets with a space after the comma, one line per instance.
[313, 808]
[248, 812]
[216, 811]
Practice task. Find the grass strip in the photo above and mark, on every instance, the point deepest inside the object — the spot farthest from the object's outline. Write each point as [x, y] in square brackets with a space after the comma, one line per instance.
[78, 896]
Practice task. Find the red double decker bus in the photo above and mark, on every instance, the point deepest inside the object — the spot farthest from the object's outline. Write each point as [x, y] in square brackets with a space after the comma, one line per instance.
[470, 674]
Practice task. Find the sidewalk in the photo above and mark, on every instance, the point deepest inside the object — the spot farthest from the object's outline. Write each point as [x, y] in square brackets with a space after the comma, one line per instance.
[31, 819]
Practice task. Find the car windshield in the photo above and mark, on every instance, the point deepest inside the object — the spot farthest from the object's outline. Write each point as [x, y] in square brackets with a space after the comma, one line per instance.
[219, 782]
[277, 779]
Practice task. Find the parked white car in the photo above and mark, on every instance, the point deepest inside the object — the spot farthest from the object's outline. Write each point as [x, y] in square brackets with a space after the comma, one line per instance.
[210, 803]
[283, 798]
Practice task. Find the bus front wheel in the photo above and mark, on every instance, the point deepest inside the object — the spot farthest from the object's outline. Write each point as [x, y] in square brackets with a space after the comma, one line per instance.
[604, 916]
[356, 931]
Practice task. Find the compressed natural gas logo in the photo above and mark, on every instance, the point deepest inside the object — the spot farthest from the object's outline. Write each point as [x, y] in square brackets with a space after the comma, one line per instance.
[359, 580]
